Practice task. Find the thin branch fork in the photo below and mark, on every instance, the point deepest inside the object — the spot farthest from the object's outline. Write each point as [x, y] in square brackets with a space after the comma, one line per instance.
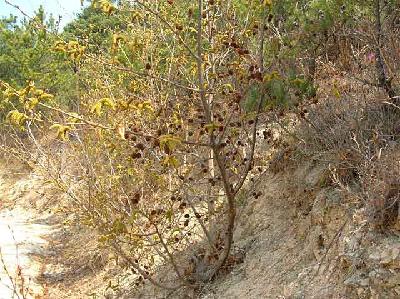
[135, 266]
[91, 123]
[140, 74]
[101, 126]
[259, 108]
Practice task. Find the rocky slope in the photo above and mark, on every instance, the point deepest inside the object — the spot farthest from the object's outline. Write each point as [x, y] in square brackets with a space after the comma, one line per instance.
[301, 241]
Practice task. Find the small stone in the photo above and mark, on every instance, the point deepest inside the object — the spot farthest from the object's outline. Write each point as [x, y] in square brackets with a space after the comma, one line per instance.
[364, 282]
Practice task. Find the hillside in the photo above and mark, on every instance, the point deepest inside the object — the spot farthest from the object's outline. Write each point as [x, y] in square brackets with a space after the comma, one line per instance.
[201, 149]
[298, 240]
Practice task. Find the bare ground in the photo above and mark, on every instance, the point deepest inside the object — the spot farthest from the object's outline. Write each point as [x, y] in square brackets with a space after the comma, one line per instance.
[299, 241]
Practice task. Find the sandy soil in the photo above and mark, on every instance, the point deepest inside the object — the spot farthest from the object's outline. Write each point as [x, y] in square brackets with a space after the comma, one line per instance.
[22, 234]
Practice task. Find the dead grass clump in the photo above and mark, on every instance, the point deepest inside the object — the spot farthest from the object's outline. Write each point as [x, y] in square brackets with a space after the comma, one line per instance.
[359, 141]
[347, 131]
[280, 160]
[328, 133]
[380, 181]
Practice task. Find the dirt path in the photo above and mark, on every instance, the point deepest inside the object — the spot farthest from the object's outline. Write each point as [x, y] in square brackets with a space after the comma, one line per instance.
[20, 239]
[22, 236]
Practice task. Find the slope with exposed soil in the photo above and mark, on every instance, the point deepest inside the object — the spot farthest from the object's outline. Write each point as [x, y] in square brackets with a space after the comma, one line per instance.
[299, 239]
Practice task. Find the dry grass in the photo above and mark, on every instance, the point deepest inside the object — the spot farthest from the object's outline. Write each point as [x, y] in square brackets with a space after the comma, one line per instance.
[381, 189]
[357, 138]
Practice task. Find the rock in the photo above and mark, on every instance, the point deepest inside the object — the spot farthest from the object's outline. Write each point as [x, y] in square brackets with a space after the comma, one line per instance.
[333, 197]
[387, 255]
[314, 175]
[393, 281]
[364, 282]
[318, 209]
[357, 280]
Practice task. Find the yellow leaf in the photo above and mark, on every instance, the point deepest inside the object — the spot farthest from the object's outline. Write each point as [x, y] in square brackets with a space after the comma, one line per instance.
[31, 103]
[228, 87]
[16, 118]
[107, 102]
[169, 141]
[211, 127]
[176, 119]
[131, 171]
[171, 161]
[98, 106]
[271, 76]
[117, 39]
[62, 131]
[27, 89]
[268, 3]
[145, 106]
[298, 81]
[336, 92]
[122, 105]
[46, 96]
[74, 117]
[72, 49]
